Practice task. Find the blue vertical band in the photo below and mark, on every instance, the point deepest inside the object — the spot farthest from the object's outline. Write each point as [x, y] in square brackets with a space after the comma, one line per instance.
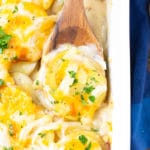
[140, 77]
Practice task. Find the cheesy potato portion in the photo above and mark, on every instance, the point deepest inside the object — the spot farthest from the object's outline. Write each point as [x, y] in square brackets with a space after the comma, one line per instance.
[83, 140]
[60, 135]
[72, 81]
[29, 26]
[17, 109]
[25, 125]
[44, 3]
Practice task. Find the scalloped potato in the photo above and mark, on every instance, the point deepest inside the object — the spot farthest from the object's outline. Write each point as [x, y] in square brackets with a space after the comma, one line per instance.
[73, 80]
[55, 101]
[29, 25]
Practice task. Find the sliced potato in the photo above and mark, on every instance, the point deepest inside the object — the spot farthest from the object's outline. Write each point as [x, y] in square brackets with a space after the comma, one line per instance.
[23, 81]
[23, 67]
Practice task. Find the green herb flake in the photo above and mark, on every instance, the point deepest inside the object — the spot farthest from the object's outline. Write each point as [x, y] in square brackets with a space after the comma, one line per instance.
[83, 139]
[77, 93]
[93, 79]
[2, 82]
[11, 130]
[4, 40]
[33, 17]
[92, 98]
[8, 148]
[94, 130]
[83, 100]
[42, 134]
[55, 102]
[15, 9]
[89, 146]
[15, 57]
[75, 81]
[72, 74]
[37, 82]
[63, 59]
[88, 89]
[20, 113]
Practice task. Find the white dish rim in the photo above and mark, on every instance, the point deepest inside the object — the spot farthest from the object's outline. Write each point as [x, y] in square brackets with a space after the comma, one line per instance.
[119, 69]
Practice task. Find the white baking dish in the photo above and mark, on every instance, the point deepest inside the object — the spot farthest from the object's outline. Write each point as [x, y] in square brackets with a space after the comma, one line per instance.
[119, 64]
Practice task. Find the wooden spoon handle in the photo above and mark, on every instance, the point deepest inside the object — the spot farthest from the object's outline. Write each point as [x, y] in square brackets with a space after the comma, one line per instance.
[72, 27]
[73, 16]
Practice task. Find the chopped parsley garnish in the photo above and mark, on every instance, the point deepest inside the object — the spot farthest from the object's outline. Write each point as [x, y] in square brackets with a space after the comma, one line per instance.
[42, 134]
[92, 98]
[15, 9]
[93, 79]
[8, 148]
[72, 74]
[75, 81]
[11, 130]
[4, 39]
[83, 139]
[37, 82]
[15, 57]
[77, 93]
[63, 59]
[55, 102]
[88, 89]
[82, 97]
[2, 82]
[94, 130]
[83, 100]
[89, 146]
[20, 113]
[33, 18]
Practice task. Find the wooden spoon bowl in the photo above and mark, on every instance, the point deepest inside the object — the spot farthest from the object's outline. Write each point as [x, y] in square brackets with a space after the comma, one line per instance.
[72, 27]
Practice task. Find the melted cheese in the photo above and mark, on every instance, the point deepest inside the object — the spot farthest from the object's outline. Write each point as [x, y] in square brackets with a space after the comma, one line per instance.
[44, 3]
[75, 81]
[29, 26]
[17, 109]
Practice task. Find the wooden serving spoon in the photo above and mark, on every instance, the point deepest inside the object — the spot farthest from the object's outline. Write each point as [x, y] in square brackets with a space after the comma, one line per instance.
[72, 27]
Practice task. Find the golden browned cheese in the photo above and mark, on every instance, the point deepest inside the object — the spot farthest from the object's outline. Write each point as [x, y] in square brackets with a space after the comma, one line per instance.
[29, 25]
